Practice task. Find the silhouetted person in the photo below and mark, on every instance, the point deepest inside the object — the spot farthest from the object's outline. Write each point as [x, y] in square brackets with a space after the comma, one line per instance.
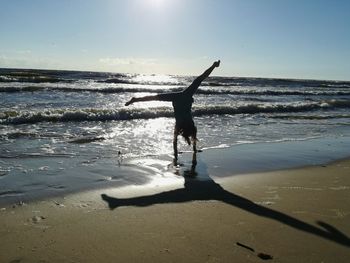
[182, 104]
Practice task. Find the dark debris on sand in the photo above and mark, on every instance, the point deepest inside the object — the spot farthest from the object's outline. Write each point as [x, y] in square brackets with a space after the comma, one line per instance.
[262, 256]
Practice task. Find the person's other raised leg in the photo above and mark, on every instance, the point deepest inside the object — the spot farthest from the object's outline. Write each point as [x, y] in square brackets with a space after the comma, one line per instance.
[195, 84]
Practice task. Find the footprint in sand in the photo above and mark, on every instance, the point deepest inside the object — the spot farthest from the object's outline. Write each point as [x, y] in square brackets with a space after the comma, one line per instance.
[37, 219]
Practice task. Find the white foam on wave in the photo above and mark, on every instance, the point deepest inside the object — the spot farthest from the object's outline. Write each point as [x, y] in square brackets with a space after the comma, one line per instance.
[94, 114]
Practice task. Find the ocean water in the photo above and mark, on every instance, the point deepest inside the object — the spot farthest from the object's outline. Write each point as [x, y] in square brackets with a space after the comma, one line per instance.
[62, 131]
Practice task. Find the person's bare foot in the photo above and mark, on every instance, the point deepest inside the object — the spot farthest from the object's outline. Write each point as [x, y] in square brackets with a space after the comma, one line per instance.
[130, 101]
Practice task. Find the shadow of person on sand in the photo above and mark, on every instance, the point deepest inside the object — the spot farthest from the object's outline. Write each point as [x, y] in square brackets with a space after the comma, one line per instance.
[203, 190]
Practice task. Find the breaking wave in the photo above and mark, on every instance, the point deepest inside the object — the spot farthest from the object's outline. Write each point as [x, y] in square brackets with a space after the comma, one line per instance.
[93, 114]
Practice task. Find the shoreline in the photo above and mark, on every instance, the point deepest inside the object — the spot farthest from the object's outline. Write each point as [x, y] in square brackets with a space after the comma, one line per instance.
[292, 215]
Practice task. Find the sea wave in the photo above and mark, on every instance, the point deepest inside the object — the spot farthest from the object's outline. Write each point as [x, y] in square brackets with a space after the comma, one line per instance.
[94, 114]
[31, 78]
[312, 117]
[162, 89]
[79, 115]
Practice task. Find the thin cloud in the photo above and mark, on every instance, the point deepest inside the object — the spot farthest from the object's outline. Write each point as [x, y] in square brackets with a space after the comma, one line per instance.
[127, 61]
[23, 52]
[28, 62]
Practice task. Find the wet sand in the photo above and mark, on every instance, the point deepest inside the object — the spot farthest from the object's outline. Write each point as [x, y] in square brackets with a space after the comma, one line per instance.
[295, 215]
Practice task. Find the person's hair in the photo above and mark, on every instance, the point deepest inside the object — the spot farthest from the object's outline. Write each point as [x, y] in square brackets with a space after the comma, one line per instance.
[188, 132]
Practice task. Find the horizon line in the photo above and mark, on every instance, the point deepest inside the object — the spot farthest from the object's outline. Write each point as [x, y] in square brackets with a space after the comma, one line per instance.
[220, 76]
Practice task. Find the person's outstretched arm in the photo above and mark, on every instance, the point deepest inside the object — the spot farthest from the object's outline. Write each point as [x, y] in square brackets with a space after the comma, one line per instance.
[161, 97]
[195, 84]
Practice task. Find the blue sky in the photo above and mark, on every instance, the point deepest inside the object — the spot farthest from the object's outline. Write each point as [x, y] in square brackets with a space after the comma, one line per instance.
[262, 38]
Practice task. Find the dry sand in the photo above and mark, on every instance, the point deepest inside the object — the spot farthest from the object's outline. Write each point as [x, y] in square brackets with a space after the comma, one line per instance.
[298, 215]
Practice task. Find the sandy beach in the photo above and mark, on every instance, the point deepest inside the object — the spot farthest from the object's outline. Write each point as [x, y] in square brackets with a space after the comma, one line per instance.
[294, 215]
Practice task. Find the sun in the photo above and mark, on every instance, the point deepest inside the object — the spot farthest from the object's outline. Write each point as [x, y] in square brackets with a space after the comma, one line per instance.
[157, 2]
[157, 6]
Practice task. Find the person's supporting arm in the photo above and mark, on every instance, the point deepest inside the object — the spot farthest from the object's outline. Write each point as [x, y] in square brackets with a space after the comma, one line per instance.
[195, 84]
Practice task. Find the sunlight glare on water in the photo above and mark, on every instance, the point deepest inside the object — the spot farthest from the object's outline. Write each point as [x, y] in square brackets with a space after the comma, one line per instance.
[163, 173]
[156, 132]
[143, 138]
[159, 79]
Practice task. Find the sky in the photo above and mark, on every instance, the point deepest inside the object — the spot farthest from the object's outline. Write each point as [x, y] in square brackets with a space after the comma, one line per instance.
[253, 38]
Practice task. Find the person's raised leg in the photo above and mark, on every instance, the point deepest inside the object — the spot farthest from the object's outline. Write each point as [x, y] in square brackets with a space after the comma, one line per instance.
[145, 98]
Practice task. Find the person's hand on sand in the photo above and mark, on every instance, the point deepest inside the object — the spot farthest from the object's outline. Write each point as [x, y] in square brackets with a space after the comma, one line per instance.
[130, 101]
[216, 64]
